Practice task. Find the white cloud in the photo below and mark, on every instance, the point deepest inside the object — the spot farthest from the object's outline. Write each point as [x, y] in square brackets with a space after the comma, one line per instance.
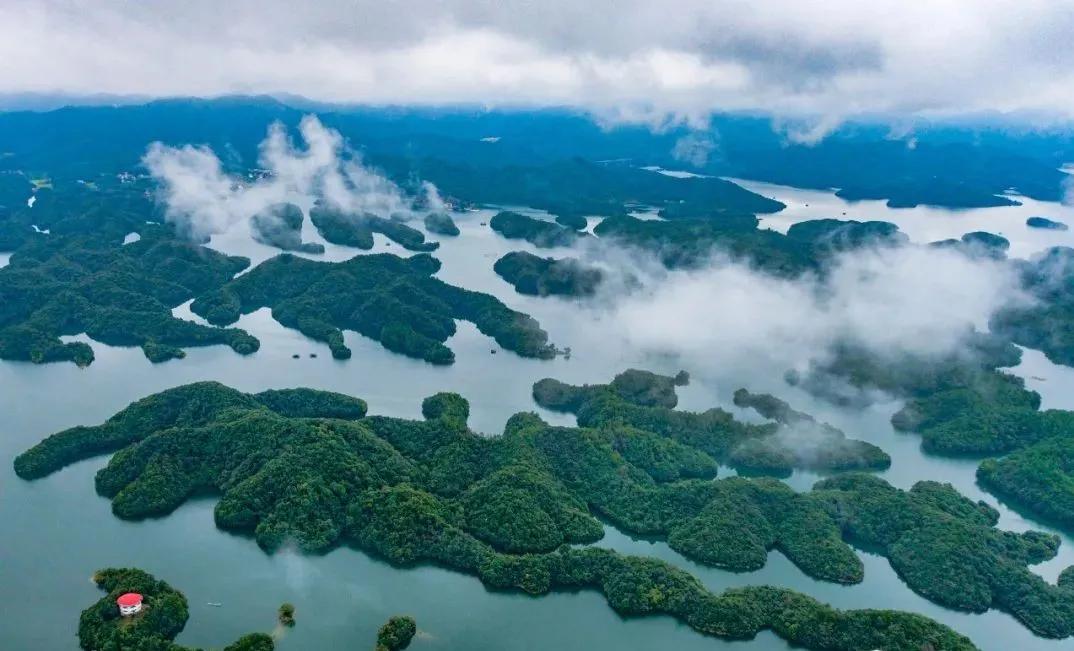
[204, 200]
[906, 299]
[623, 58]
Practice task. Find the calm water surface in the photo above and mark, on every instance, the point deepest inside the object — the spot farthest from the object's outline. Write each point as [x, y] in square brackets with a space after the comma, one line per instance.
[59, 531]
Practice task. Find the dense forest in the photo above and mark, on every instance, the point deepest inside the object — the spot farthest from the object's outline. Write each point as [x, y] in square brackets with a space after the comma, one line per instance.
[964, 405]
[1048, 324]
[396, 301]
[537, 276]
[339, 227]
[686, 243]
[1045, 224]
[540, 233]
[441, 223]
[646, 401]
[280, 225]
[288, 467]
[164, 615]
[1039, 479]
[950, 165]
[396, 633]
[118, 294]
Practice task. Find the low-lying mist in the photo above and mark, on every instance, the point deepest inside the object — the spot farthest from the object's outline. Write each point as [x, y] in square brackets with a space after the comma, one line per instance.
[891, 301]
[202, 199]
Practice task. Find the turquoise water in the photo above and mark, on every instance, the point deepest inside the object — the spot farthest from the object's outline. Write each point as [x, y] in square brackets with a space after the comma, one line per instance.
[58, 531]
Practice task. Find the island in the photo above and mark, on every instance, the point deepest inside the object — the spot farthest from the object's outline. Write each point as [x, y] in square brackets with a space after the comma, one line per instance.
[396, 633]
[161, 614]
[978, 244]
[1048, 323]
[690, 243]
[349, 229]
[120, 295]
[537, 232]
[965, 405]
[441, 223]
[573, 220]
[800, 442]
[537, 276]
[647, 400]
[1046, 224]
[396, 301]
[280, 225]
[517, 510]
[286, 614]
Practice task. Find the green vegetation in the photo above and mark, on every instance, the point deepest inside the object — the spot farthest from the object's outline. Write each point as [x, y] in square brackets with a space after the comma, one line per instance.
[960, 404]
[1039, 478]
[646, 401]
[537, 232]
[801, 442]
[118, 295]
[946, 548]
[501, 508]
[688, 242]
[163, 616]
[393, 300]
[537, 276]
[579, 187]
[978, 244]
[433, 491]
[340, 227]
[576, 221]
[286, 614]
[1046, 224]
[963, 405]
[106, 210]
[280, 225]
[1048, 324]
[396, 633]
[441, 223]
[827, 236]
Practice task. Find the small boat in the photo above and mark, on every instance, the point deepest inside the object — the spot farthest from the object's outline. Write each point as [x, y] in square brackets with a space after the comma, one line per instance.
[215, 604]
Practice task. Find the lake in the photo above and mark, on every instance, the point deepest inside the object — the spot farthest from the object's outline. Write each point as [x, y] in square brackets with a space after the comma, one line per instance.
[59, 531]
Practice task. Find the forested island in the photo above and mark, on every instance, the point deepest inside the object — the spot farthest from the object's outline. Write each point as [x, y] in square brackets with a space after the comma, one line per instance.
[280, 225]
[1048, 324]
[964, 405]
[441, 223]
[646, 400]
[687, 243]
[396, 633]
[120, 295]
[573, 220]
[163, 616]
[105, 208]
[1045, 224]
[537, 232]
[537, 276]
[339, 227]
[288, 468]
[978, 244]
[396, 301]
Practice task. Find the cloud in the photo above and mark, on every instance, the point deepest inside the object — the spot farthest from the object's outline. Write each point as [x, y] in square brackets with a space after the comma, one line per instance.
[892, 301]
[626, 58]
[202, 199]
[695, 148]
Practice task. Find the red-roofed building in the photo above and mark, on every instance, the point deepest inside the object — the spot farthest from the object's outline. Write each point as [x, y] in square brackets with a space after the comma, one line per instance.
[129, 603]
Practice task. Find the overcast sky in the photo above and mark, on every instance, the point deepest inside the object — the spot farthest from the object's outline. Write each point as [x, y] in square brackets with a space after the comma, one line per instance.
[626, 58]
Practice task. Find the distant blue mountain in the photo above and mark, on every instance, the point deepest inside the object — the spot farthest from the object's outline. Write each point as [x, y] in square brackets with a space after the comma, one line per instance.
[955, 165]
